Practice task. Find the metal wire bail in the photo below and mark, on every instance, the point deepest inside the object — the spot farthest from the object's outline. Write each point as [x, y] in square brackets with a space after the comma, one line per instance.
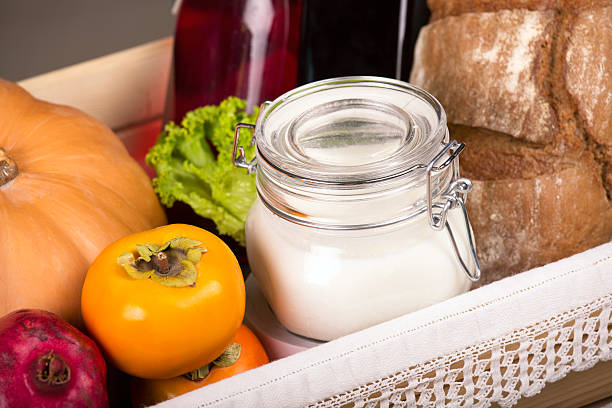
[240, 160]
[453, 197]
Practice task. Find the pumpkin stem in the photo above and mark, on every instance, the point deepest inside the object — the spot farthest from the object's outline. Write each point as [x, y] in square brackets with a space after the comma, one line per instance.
[8, 168]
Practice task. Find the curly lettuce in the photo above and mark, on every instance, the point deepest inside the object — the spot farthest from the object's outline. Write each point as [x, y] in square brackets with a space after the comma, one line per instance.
[193, 164]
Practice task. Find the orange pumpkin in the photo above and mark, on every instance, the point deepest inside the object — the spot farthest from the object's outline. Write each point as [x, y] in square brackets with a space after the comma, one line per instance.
[68, 188]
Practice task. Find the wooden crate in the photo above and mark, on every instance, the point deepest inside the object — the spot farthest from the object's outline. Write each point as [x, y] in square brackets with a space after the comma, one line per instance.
[127, 90]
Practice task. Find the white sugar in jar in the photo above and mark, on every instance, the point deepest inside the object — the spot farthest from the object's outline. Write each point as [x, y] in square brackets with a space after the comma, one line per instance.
[360, 215]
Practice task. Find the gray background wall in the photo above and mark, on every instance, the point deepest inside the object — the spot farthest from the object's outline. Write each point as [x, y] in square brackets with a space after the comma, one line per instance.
[37, 36]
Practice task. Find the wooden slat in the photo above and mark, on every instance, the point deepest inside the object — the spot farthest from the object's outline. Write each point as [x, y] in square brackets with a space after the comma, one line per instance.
[139, 138]
[577, 389]
[120, 89]
[604, 403]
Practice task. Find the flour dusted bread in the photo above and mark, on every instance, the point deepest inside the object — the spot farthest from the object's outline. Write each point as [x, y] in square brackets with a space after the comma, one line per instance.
[527, 85]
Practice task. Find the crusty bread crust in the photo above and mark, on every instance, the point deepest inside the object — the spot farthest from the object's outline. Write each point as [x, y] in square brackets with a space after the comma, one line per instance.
[527, 85]
[587, 74]
[529, 206]
[489, 62]
[444, 8]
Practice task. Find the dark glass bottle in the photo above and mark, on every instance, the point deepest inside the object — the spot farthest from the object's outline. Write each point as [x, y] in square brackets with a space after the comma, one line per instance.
[359, 37]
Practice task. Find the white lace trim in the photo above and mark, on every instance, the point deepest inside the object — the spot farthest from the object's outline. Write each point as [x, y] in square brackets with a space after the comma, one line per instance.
[501, 370]
[492, 345]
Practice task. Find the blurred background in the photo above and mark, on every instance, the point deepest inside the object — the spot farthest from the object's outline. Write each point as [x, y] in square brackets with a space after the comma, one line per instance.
[38, 36]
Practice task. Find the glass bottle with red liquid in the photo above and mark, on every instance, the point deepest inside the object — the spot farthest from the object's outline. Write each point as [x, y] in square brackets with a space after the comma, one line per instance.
[244, 48]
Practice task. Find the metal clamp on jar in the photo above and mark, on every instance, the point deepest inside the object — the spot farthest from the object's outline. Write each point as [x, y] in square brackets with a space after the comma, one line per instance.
[355, 178]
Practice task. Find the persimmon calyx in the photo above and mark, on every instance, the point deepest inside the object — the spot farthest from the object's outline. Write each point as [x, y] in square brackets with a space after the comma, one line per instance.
[229, 356]
[8, 168]
[172, 264]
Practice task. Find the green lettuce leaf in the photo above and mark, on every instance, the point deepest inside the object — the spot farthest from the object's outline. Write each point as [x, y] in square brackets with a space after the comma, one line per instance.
[193, 164]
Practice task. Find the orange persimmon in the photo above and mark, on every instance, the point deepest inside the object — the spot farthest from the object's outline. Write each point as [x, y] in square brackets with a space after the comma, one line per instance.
[149, 392]
[162, 302]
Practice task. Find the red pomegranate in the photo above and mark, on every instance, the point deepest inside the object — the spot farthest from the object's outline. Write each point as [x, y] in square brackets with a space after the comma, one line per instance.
[46, 362]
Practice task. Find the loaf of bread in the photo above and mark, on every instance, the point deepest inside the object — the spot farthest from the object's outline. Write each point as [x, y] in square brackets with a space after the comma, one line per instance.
[527, 85]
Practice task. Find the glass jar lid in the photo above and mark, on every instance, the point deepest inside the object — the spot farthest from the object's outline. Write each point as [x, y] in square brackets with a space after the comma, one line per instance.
[350, 130]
